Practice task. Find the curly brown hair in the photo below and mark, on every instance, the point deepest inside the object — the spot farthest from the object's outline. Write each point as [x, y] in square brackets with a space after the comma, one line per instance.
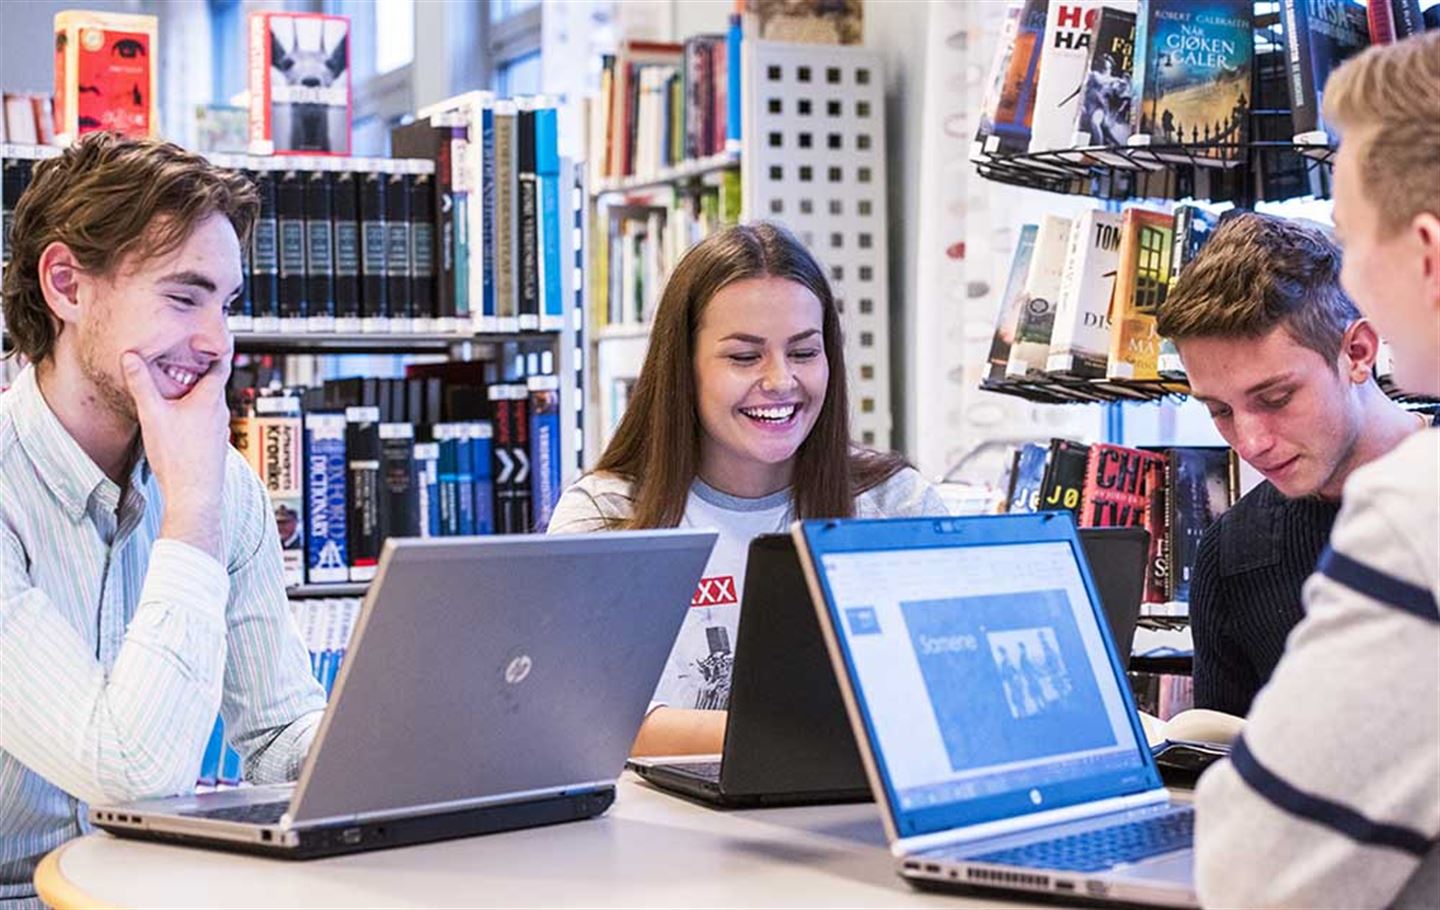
[109, 197]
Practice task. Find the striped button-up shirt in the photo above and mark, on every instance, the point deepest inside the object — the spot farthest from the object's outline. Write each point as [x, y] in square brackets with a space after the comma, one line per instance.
[117, 648]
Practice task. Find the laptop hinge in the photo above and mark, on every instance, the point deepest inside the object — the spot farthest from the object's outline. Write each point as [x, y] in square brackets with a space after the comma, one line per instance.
[458, 805]
[920, 843]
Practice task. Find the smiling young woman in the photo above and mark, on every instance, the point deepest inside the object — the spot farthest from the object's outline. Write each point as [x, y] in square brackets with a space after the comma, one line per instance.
[740, 421]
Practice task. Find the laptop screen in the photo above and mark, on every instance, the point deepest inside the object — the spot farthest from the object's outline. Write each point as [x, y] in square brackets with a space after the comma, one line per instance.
[982, 668]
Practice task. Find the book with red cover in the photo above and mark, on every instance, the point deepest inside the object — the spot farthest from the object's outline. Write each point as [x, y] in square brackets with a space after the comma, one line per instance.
[1125, 488]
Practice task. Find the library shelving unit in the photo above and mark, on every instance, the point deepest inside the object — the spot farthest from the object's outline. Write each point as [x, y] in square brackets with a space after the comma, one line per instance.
[566, 344]
[812, 158]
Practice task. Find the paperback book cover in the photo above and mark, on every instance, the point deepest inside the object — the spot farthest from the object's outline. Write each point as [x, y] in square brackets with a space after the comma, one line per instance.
[544, 446]
[1201, 484]
[1011, 301]
[280, 449]
[1106, 104]
[1193, 227]
[1391, 20]
[1193, 75]
[1026, 478]
[995, 84]
[1141, 281]
[1069, 30]
[300, 101]
[362, 490]
[107, 76]
[326, 549]
[1080, 343]
[1319, 36]
[1124, 488]
[1042, 290]
[1064, 478]
[1015, 111]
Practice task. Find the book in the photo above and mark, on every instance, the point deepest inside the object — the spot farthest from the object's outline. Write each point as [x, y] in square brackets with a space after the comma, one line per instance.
[511, 458]
[399, 494]
[631, 57]
[1125, 488]
[1080, 342]
[374, 250]
[362, 490]
[432, 204]
[265, 255]
[1193, 77]
[326, 549]
[300, 100]
[106, 76]
[398, 253]
[552, 219]
[1063, 482]
[505, 254]
[1026, 477]
[1107, 99]
[1011, 302]
[279, 445]
[1141, 280]
[1201, 484]
[731, 79]
[345, 209]
[481, 467]
[995, 82]
[423, 293]
[290, 216]
[1319, 36]
[1193, 226]
[1015, 110]
[545, 464]
[1042, 289]
[1391, 20]
[469, 118]
[527, 219]
[427, 485]
[320, 307]
[1064, 62]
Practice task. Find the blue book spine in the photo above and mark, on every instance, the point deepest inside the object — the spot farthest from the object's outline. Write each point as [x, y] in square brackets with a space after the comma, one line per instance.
[547, 172]
[448, 481]
[210, 763]
[427, 473]
[460, 223]
[482, 444]
[732, 81]
[464, 483]
[326, 553]
[544, 447]
[487, 202]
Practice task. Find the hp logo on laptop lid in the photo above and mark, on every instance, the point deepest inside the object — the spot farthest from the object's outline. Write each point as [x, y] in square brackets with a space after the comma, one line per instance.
[518, 669]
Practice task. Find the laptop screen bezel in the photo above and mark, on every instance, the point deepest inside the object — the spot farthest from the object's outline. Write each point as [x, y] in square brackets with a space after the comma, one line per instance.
[826, 537]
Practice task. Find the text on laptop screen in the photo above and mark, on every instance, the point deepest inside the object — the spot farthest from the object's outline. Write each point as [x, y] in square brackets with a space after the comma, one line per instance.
[982, 670]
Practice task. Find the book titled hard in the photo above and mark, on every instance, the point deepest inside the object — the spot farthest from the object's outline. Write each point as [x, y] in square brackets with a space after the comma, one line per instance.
[1069, 30]
[299, 84]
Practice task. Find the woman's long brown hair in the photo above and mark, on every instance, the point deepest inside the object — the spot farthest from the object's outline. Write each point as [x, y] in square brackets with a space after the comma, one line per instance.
[657, 445]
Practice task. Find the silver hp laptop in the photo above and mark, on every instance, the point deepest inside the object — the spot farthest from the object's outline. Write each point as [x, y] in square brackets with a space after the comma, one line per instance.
[492, 683]
[991, 708]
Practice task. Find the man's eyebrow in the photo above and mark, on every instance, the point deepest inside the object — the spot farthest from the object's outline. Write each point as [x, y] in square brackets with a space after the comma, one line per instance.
[756, 339]
[190, 278]
[1262, 386]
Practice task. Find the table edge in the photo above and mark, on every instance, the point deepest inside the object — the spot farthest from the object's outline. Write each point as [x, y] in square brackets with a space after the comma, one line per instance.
[59, 892]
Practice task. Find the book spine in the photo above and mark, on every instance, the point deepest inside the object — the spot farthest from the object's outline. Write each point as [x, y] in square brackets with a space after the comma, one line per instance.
[281, 472]
[733, 39]
[259, 85]
[464, 481]
[265, 258]
[319, 253]
[345, 203]
[290, 209]
[374, 243]
[362, 448]
[527, 208]
[482, 434]
[484, 213]
[422, 247]
[449, 524]
[552, 225]
[399, 498]
[544, 447]
[1299, 49]
[522, 505]
[327, 557]
[444, 235]
[507, 314]
[398, 252]
[427, 474]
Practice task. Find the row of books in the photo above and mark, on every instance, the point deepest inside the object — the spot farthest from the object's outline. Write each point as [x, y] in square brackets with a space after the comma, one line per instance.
[1093, 73]
[1162, 695]
[359, 460]
[636, 245]
[1175, 493]
[1082, 294]
[325, 625]
[28, 118]
[662, 104]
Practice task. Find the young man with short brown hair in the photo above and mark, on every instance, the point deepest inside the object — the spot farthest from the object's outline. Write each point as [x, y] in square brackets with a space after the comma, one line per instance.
[1283, 360]
[1331, 796]
[141, 587]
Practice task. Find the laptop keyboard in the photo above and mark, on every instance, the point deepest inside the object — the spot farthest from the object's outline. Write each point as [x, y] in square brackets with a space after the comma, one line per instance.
[1103, 848]
[705, 770]
[249, 814]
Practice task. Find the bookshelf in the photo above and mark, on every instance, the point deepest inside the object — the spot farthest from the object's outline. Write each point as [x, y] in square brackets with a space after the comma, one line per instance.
[811, 157]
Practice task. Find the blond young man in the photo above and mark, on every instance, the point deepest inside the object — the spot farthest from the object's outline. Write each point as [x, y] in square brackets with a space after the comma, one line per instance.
[1331, 797]
[141, 587]
[1279, 355]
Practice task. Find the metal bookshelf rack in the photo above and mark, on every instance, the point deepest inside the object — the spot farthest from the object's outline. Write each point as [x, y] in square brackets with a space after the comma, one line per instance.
[378, 342]
[684, 172]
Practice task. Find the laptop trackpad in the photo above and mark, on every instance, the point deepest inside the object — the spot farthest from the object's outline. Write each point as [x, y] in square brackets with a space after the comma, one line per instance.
[1172, 867]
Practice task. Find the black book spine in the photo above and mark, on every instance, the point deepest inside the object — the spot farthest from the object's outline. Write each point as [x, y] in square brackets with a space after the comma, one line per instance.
[265, 252]
[422, 246]
[374, 242]
[528, 202]
[290, 207]
[362, 488]
[399, 494]
[319, 249]
[344, 204]
[1298, 41]
[522, 508]
[444, 229]
[397, 222]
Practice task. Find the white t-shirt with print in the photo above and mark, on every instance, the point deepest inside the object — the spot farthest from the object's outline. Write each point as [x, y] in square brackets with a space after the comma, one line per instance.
[697, 674]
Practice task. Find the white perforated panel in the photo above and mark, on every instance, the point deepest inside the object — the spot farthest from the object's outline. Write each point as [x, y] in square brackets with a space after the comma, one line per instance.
[814, 160]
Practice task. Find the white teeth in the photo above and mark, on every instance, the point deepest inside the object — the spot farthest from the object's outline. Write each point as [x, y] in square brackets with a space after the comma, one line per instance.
[184, 377]
[778, 414]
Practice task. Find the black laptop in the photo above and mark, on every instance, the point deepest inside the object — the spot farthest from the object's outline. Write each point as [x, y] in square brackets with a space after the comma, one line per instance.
[787, 740]
[1119, 559]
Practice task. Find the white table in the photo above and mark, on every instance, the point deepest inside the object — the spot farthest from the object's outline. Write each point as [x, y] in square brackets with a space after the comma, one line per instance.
[649, 850]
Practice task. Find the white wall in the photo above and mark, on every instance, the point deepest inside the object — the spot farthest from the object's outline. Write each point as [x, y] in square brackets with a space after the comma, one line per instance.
[27, 39]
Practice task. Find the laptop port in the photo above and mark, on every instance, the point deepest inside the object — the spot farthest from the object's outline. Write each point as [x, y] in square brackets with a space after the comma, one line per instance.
[932, 868]
[1064, 886]
[266, 835]
[350, 836]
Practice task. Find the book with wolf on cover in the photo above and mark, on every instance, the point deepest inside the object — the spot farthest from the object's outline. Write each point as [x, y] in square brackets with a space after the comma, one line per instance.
[1015, 111]
[1319, 36]
[1107, 96]
[1141, 280]
[299, 84]
[1011, 301]
[995, 84]
[1042, 289]
[1192, 79]
[1080, 342]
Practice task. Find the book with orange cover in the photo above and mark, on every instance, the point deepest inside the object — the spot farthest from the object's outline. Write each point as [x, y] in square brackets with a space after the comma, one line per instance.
[1141, 282]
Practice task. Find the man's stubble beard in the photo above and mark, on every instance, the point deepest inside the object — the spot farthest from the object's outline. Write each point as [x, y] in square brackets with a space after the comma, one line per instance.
[110, 390]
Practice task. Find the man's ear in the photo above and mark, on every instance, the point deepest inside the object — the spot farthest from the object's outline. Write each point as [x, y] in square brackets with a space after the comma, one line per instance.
[60, 277]
[1425, 228]
[1359, 347]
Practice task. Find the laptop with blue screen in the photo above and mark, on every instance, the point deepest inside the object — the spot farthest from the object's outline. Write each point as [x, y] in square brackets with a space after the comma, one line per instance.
[991, 708]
